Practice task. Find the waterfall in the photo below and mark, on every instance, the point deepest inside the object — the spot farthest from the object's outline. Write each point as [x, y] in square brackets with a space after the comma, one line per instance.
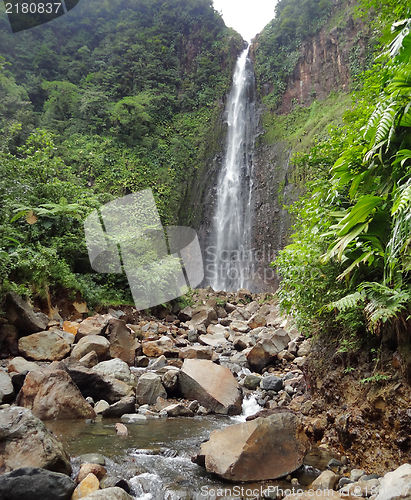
[232, 255]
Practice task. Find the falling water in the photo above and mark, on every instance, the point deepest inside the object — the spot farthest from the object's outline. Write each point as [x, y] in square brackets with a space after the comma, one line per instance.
[233, 218]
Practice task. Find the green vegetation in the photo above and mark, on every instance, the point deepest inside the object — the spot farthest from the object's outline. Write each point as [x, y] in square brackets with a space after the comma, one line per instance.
[280, 41]
[347, 269]
[115, 97]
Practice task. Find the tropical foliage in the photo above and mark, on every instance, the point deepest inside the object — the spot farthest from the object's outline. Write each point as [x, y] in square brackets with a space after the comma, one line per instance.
[355, 229]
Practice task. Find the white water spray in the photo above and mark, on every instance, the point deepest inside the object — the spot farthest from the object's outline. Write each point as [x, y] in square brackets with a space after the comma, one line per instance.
[233, 218]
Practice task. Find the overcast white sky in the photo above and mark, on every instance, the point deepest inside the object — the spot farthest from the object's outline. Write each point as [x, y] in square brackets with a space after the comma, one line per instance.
[248, 18]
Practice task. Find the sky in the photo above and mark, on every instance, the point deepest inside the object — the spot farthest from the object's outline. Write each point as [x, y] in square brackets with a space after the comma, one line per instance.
[247, 18]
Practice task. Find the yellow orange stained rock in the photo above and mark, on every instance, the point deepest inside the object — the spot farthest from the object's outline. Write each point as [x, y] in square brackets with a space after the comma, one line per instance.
[89, 484]
[70, 327]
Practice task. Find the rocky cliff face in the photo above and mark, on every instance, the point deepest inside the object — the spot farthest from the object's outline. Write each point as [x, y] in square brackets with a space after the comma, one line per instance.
[327, 63]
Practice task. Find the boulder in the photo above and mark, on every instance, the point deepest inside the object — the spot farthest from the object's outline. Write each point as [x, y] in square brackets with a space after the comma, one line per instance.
[272, 383]
[25, 442]
[6, 388]
[22, 316]
[279, 337]
[213, 340]
[87, 486]
[35, 484]
[256, 321]
[116, 410]
[239, 326]
[122, 341]
[149, 388]
[213, 386]
[242, 342]
[252, 381]
[178, 410]
[196, 352]
[98, 470]
[114, 493]
[100, 406]
[186, 314]
[96, 343]
[261, 354]
[19, 365]
[8, 340]
[95, 325]
[95, 385]
[115, 368]
[305, 348]
[326, 480]
[155, 348]
[51, 394]
[217, 330]
[395, 485]
[202, 315]
[50, 345]
[170, 381]
[89, 360]
[258, 450]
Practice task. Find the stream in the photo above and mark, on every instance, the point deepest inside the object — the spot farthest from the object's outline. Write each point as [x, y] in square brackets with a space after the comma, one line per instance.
[155, 457]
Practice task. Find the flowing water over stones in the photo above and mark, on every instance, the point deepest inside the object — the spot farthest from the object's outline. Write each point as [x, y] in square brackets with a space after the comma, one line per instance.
[232, 253]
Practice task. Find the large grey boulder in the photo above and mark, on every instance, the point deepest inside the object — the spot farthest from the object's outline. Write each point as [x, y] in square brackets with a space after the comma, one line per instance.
[115, 368]
[258, 450]
[213, 386]
[50, 345]
[272, 383]
[51, 394]
[95, 385]
[116, 410]
[21, 315]
[6, 388]
[35, 484]
[25, 442]
[149, 388]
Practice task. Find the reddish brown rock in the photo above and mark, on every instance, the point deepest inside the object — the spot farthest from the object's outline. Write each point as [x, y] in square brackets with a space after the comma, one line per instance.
[95, 325]
[258, 450]
[213, 386]
[196, 352]
[98, 470]
[261, 354]
[122, 341]
[203, 315]
[163, 346]
[51, 394]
